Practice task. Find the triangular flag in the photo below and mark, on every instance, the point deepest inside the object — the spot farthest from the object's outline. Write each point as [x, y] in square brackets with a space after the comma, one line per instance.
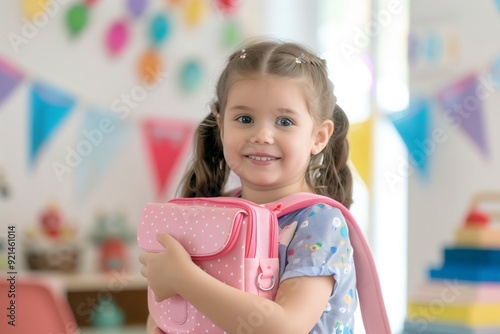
[497, 4]
[461, 103]
[102, 137]
[360, 149]
[413, 127]
[166, 141]
[49, 106]
[9, 79]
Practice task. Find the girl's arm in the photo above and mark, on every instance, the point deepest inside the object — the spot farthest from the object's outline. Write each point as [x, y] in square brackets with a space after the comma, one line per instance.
[298, 306]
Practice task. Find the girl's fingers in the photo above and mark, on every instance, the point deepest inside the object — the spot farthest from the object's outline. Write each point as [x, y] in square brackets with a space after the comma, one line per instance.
[142, 258]
[144, 272]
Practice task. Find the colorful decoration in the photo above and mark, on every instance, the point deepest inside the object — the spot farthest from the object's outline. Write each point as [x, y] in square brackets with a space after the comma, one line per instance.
[190, 76]
[231, 34]
[137, 7]
[9, 79]
[497, 5]
[228, 7]
[76, 18]
[360, 149]
[413, 127]
[103, 136]
[117, 37]
[150, 66]
[194, 12]
[112, 235]
[32, 8]
[49, 107]
[463, 106]
[160, 29]
[166, 141]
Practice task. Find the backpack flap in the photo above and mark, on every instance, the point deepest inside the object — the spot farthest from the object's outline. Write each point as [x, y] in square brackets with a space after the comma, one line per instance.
[203, 238]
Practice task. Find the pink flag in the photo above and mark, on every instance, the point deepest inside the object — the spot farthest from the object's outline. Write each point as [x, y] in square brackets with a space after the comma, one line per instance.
[166, 141]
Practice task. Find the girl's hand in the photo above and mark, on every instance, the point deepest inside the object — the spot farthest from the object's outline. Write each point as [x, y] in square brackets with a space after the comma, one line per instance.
[165, 270]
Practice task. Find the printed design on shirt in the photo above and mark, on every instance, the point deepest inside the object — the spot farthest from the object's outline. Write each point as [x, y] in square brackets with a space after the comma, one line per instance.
[340, 328]
[286, 234]
[318, 238]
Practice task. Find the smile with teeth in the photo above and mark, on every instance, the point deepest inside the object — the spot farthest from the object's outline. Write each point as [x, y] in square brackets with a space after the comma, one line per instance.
[259, 158]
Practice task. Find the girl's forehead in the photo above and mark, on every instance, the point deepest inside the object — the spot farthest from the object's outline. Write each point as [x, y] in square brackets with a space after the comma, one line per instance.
[271, 86]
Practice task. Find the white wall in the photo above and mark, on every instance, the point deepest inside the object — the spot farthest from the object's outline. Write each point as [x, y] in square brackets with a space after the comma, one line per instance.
[81, 67]
[438, 205]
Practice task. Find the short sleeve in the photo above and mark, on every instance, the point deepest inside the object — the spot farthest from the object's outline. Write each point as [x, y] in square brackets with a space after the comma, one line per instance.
[320, 245]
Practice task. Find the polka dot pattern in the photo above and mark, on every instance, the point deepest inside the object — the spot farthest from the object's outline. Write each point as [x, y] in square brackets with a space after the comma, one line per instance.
[215, 234]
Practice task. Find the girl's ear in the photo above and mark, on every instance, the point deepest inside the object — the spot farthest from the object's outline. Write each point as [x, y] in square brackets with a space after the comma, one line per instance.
[322, 136]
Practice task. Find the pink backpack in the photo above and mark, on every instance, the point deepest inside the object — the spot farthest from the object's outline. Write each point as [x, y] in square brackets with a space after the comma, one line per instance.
[236, 241]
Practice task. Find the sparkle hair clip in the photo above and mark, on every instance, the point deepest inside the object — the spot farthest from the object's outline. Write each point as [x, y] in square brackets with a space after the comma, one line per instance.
[301, 59]
[243, 54]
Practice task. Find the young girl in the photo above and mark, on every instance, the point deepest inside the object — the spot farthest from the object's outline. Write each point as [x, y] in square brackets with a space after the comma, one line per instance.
[276, 125]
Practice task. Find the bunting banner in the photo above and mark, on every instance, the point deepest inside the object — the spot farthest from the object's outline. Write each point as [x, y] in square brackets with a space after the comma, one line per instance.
[102, 137]
[49, 107]
[497, 5]
[9, 79]
[166, 140]
[360, 149]
[462, 104]
[413, 127]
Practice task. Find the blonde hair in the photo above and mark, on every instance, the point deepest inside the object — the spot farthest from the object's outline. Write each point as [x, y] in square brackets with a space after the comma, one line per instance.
[328, 173]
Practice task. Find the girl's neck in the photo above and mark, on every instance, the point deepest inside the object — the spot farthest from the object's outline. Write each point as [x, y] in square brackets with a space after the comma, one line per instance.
[270, 195]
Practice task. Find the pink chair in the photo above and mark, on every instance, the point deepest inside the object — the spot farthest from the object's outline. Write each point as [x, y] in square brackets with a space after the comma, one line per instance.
[39, 307]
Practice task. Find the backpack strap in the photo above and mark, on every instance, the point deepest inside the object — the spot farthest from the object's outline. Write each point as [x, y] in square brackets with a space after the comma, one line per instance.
[371, 300]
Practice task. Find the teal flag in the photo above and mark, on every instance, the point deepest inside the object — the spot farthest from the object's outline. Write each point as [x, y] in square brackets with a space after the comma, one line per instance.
[49, 107]
[413, 127]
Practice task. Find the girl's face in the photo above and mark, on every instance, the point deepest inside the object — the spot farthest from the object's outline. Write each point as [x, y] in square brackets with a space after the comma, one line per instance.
[268, 136]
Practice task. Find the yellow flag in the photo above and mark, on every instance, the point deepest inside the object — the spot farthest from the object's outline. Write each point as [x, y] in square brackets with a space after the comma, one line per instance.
[360, 149]
[32, 7]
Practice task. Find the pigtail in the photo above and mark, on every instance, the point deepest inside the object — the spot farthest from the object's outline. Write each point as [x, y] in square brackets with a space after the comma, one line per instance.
[208, 171]
[329, 173]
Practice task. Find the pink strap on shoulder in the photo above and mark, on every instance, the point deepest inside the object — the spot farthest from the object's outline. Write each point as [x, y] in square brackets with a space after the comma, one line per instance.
[371, 300]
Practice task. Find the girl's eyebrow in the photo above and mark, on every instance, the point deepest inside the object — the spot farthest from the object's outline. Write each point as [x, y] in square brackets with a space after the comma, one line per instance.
[240, 108]
[280, 111]
[287, 111]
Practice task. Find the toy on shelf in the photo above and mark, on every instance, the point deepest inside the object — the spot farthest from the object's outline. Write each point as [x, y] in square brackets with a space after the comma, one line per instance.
[463, 295]
[107, 314]
[111, 234]
[52, 244]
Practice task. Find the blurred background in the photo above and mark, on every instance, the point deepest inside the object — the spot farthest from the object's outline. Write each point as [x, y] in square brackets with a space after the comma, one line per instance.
[99, 100]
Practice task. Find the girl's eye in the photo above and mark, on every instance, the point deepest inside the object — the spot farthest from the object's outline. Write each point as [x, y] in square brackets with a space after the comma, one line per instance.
[284, 122]
[245, 119]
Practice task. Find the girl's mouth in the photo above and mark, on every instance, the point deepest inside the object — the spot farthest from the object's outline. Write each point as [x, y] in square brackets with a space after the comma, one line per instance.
[261, 158]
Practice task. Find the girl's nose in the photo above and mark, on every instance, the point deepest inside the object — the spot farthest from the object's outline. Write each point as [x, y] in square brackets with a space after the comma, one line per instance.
[262, 135]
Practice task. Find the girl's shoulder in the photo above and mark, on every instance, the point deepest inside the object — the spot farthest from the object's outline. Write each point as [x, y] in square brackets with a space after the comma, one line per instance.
[321, 217]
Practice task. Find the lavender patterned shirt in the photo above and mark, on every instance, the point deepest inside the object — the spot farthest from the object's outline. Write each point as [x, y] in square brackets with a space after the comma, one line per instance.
[315, 242]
